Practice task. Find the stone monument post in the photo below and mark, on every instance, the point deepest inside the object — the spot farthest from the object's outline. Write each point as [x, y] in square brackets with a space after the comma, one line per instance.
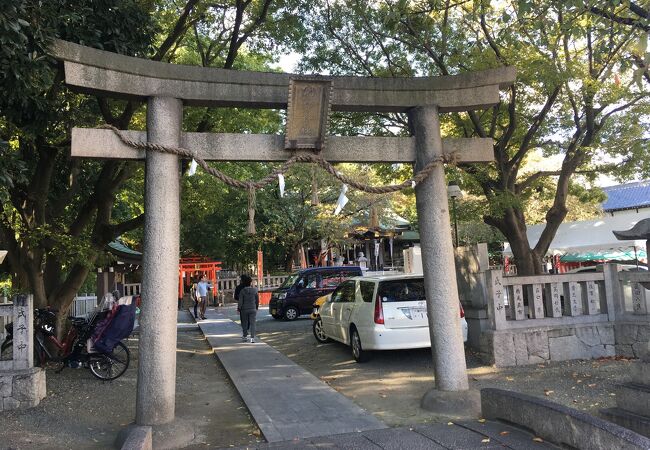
[633, 397]
[640, 231]
[21, 384]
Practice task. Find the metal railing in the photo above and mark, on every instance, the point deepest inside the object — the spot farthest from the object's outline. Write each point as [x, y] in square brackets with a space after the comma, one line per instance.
[82, 305]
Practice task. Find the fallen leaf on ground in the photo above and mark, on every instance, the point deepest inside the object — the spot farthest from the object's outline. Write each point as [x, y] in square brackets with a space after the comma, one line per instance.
[504, 433]
[486, 440]
[548, 392]
[481, 420]
[592, 385]
[538, 439]
[510, 379]
[450, 423]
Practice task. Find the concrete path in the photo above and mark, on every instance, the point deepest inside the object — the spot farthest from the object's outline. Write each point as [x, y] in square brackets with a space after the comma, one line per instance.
[185, 321]
[461, 435]
[286, 401]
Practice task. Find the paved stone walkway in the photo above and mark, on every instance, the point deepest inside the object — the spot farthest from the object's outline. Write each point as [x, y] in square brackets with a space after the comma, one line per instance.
[286, 401]
[461, 435]
[294, 409]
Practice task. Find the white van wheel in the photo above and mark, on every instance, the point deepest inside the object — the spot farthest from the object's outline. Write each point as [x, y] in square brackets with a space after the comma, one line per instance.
[319, 334]
[360, 355]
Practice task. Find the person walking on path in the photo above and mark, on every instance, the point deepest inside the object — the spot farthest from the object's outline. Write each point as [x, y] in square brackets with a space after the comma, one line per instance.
[248, 303]
[202, 293]
[240, 286]
[194, 295]
[238, 289]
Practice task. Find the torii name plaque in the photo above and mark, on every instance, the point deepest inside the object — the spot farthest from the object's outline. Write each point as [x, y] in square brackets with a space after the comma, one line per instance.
[307, 113]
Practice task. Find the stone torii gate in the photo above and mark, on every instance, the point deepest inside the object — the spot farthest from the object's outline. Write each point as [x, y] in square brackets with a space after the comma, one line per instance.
[167, 88]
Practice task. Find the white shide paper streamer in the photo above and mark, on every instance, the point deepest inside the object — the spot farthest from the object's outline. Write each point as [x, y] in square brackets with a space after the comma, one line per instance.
[193, 166]
[281, 183]
[340, 203]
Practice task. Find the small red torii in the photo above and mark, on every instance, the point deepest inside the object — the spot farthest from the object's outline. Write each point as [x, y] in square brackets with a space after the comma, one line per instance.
[197, 265]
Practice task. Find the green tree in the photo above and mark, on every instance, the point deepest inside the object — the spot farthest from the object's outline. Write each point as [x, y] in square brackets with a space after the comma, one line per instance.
[59, 213]
[576, 94]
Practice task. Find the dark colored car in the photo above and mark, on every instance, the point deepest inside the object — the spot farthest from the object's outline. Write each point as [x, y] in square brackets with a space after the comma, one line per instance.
[298, 292]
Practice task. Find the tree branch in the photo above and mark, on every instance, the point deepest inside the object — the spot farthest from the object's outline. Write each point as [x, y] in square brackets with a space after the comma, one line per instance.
[534, 127]
[629, 21]
[179, 30]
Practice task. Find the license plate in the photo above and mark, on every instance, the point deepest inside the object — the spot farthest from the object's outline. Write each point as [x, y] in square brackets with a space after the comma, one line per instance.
[419, 313]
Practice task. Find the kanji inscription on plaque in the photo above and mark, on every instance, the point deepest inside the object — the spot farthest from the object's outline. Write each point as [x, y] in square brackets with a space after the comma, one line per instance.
[307, 113]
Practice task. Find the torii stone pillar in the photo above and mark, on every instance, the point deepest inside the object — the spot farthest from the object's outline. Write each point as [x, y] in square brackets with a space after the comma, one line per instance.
[438, 255]
[451, 395]
[156, 391]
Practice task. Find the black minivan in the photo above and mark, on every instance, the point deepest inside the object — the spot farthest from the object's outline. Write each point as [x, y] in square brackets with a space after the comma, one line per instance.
[298, 292]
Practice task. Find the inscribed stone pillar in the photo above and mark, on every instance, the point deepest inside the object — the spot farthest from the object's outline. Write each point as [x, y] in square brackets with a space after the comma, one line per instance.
[646, 357]
[156, 390]
[438, 255]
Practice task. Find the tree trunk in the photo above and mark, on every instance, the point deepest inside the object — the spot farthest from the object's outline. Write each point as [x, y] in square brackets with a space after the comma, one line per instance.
[36, 283]
[513, 227]
[291, 256]
[288, 261]
[61, 326]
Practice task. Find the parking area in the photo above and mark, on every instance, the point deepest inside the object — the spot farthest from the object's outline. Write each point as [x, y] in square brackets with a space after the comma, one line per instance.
[391, 383]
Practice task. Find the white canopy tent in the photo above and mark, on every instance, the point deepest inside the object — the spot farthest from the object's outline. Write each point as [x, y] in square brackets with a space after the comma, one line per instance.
[593, 240]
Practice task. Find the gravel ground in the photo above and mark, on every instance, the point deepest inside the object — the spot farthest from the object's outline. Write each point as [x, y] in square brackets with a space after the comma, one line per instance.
[82, 412]
[392, 383]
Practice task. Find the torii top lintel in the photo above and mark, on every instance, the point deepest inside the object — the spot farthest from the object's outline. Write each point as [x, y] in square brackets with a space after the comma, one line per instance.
[99, 72]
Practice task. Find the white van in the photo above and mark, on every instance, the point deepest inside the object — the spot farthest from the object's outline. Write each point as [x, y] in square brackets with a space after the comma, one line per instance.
[385, 312]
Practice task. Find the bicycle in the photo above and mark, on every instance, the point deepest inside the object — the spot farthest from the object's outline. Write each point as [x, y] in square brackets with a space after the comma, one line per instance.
[72, 351]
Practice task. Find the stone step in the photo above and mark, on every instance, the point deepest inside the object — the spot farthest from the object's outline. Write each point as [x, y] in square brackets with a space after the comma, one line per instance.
[634, 397]
[629, 420]
[641, 373]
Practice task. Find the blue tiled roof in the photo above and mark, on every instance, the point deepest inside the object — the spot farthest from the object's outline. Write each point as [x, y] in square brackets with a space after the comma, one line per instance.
[627, 196]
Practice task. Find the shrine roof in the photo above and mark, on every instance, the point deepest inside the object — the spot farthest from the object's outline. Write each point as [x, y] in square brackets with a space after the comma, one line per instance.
[627, 196]
[123, 253]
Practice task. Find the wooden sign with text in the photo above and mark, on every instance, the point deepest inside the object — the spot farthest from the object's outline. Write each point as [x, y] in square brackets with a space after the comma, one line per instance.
[307, 113]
